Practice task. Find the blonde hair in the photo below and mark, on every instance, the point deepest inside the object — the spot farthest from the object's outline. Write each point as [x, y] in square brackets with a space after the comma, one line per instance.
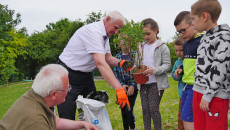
[125, 38]
[179, 41]
[212, 7]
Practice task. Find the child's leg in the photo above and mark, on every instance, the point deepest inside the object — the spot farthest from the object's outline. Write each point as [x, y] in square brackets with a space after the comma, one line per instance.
[154, 101]
[131, 116]
[217, 116]
[188, 125]
[198, 114]
[180, 122]
[145, 107]
[125, 118]
[186, 107]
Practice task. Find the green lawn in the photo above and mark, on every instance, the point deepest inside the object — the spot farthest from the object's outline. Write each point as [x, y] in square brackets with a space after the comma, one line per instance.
[168, 106]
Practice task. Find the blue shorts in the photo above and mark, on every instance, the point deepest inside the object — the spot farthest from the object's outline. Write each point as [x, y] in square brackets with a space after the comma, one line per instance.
[186, 103]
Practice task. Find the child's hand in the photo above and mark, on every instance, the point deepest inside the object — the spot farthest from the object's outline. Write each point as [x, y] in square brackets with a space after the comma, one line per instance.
[149, 71]
[178, 72]
[204, 105]
[130, 90]
[125, 87]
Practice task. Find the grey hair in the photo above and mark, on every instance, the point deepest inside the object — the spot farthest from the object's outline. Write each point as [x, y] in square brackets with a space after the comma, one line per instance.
[49, 78]
[115, 15]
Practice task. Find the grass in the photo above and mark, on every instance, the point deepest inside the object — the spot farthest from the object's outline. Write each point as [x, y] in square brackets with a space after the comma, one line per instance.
[8, 95]
[168, 106]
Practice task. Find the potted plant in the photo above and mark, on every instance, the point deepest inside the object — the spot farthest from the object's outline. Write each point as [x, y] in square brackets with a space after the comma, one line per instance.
[133, 36]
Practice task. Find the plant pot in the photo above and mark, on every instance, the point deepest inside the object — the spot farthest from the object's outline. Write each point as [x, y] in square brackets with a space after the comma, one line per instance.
[138, 75]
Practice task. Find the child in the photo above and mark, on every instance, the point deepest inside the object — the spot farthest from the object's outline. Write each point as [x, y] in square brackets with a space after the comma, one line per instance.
[177, 75]
[212, 70]
[128, 84]
[192, 38]
[157, 59]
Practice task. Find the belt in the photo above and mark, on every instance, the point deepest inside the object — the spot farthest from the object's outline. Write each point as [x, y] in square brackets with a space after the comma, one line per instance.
[64, 65]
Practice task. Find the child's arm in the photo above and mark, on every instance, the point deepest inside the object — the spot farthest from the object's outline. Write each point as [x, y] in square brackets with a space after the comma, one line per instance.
[130, 90]
[219, 70]
[204, 105]
[131, 79]
[166, 62]
[116, 71]
[178, 72]
[175, 74]
[132, 82]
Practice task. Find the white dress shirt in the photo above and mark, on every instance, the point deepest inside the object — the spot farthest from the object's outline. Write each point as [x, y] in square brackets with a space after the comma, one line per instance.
[86, 40]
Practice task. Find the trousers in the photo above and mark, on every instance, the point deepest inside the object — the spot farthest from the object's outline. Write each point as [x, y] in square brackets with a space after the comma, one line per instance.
[82, 83]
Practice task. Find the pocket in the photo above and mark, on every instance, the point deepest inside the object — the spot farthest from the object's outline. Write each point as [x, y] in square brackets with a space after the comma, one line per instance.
[217, 102]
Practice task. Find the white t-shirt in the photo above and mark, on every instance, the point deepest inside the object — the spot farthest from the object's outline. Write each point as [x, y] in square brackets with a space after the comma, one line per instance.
[86, 40]
[148, 59]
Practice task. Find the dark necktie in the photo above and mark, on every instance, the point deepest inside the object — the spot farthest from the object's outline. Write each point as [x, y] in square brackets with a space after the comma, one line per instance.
[105, 39]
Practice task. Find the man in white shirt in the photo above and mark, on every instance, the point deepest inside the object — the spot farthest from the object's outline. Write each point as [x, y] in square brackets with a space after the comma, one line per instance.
[87, 49]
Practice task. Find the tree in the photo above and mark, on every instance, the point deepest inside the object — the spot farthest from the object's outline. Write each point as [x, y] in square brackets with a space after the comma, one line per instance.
[11, 43]
[94, 17]
[173, 55]
[10, 50]
[7, 23]
[132, 35]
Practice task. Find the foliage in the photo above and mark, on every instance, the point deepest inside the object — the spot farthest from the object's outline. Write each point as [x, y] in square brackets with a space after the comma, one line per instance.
[11, 43]
[7, 23]
[94, 17]
[10, 50]
[132, 35]
[173, 55]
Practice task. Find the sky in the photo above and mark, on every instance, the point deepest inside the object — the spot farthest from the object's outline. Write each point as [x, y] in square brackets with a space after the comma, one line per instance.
[36, 14]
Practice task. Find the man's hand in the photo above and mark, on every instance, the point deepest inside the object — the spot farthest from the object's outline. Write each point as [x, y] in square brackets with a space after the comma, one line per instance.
[126, 65]
[204, 105]
[90, 126]
[122, 98]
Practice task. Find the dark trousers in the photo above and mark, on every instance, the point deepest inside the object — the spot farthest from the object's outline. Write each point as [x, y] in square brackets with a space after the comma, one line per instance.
[82, 84]
[128, 117]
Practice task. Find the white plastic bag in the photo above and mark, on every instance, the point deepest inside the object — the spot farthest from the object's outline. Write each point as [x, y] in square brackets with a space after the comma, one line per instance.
[93, 111]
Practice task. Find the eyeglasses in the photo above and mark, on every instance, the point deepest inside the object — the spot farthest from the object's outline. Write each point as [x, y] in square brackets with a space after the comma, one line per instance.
[65, 89]
[183, 31]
